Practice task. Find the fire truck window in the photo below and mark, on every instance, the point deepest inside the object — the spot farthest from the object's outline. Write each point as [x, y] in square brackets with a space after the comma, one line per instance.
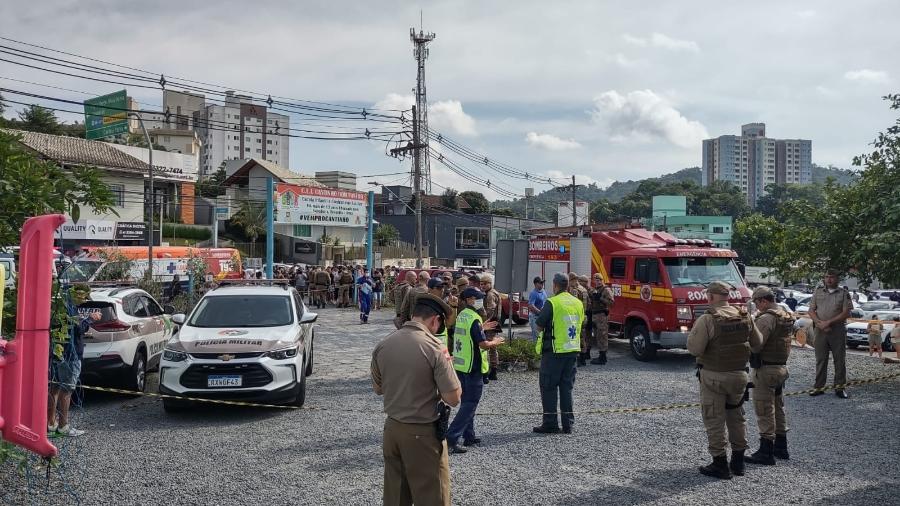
[617, 267]
[646, 270]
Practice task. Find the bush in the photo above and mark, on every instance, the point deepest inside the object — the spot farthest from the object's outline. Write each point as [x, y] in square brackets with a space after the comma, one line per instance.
[186, 232]
[518, 350]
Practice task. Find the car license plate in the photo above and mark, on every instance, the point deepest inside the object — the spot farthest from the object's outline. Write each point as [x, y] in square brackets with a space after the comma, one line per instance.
[220, 380]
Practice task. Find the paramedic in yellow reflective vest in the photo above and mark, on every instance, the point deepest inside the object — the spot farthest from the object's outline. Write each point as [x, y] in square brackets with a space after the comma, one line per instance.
[559, 326]
[470, 359]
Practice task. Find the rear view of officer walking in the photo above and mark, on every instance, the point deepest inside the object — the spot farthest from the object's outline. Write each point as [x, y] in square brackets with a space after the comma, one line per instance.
[559, 344]
[602, 299]
[769, 362]
[721, 340]
[413, 371]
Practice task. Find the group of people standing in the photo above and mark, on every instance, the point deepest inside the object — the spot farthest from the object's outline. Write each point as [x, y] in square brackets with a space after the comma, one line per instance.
[338, 285]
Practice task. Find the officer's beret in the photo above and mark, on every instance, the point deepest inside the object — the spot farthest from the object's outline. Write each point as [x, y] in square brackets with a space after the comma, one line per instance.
[573, 275]
[762, 292]
[472, 292]
[426, 299]
[584, 279]
[462, 282]
[718, 287]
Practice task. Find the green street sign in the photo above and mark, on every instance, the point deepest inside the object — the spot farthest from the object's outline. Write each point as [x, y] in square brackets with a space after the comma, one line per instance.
[106, 116]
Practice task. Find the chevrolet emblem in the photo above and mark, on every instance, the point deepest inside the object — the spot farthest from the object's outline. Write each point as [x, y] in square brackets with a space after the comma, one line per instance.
[225, 358]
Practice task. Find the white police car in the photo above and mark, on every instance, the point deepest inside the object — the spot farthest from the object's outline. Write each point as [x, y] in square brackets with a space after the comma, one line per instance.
[246, 341]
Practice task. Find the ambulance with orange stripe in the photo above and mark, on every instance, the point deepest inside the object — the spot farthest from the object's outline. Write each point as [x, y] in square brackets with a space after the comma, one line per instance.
[659, 281]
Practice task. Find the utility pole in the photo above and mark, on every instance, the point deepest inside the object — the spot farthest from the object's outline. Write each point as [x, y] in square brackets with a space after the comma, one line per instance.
[421, 41]
[574, 188]
[416, 146]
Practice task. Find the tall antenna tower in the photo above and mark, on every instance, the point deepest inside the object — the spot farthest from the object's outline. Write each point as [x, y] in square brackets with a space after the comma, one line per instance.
[421, 163]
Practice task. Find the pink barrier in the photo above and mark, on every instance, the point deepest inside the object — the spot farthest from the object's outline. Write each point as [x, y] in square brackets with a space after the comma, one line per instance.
[24, 362]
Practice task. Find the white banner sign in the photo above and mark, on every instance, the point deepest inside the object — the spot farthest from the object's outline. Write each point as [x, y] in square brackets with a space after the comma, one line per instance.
[306, 205]
[98, 230]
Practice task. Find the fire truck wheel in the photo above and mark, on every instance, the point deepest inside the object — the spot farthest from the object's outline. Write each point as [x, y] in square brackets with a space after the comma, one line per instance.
[641, 347]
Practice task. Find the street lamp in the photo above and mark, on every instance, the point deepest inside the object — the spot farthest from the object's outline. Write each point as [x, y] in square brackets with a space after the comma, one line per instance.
[152, 194]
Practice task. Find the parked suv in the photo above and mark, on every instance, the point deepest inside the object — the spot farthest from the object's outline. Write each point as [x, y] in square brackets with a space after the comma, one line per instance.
[129, 338]
[250, 340]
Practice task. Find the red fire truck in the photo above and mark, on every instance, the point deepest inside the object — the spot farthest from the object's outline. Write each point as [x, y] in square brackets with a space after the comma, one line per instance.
[657, 279]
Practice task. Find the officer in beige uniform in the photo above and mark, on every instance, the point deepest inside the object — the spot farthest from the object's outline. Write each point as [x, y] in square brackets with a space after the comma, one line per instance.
[721, 340]
[602, 300]
[584, 295]
[410, 298]
[829, 309]
[769, 362]
[346, 281]
[400, 292]
[492, 312]
[575, 290]
[414, 372]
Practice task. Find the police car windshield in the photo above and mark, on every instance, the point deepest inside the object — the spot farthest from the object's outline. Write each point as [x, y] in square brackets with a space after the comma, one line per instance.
[700, 271]
[242, 311]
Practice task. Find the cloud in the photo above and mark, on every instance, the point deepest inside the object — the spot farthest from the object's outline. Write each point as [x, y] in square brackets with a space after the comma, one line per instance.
[827, 92]
[447, 115]
[550, 142]
[644, 116]
[662, 41]
[806, 14]
[867, 76]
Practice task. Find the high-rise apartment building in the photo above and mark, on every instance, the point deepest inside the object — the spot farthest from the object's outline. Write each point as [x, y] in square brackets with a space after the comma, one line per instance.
[751, 161]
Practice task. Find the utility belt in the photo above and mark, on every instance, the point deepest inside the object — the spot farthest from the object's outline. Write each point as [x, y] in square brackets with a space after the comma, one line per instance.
[756, 361]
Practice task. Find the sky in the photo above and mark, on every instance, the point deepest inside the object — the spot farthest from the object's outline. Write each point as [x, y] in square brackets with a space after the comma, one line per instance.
[601, 90]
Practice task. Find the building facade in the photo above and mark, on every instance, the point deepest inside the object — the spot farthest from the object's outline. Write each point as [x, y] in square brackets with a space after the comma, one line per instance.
[751, 161]
[337, 179]
[670, 215]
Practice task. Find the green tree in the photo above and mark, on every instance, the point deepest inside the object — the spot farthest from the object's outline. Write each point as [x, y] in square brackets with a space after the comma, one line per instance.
[478, 204]
[385, 234]
[39, 119]
[250, 220]
[757, 239]
[212, 186]
[448, 199]
[504, 211]
[772, 204]
[720, 198]
[30, 187]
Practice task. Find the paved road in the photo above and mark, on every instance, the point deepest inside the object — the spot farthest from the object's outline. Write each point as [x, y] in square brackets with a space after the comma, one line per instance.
[843, 452]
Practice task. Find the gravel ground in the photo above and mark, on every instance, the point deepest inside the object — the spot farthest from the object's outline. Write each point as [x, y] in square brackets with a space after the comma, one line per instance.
[134, 453]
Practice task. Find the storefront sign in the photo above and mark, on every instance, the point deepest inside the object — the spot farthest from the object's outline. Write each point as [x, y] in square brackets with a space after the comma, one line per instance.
[548, 249]
[102, 230]
[131, 231]
[305, 205]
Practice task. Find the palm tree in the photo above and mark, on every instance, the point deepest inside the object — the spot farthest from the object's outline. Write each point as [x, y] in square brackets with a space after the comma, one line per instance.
[251, 219]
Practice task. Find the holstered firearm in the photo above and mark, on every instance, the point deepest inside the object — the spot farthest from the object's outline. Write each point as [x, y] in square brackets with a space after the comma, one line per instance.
[442, 424]
[756, 360]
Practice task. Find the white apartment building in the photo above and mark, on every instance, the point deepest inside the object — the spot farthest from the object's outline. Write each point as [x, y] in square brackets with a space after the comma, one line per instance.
[241, 129]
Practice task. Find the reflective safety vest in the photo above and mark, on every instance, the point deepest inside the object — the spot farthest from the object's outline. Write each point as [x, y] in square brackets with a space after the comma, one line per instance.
[778, 345]
[568, 317]
[729, 349]
[464, 345]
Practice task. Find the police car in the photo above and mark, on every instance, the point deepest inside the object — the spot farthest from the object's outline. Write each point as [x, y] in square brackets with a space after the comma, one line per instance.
[129, 338]
[246, 340]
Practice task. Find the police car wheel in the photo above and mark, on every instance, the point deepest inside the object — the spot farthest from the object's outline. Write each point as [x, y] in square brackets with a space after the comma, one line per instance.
[136, 375]
[309, 361]
[301, 394]
[639, 340]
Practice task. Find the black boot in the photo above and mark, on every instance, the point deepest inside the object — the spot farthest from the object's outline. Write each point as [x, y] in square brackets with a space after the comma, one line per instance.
[780, 447]
[718, 468]
[492, 374]
[582, 359]
[737, 462]
[600, 360]
[764, 456]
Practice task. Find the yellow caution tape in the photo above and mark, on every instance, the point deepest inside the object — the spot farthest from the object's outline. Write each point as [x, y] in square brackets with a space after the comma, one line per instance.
[600, 411]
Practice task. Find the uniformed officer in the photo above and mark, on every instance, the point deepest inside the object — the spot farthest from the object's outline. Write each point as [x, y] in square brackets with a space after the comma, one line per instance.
[493, 310]
[323, 281]
[470, 359]
[345, 280]
[829, 309]
[409, 300]
[602, 299]
[559, 344]
[400, 294]
[721, 340]
[578, 291]
[769, 375]
[414, 373]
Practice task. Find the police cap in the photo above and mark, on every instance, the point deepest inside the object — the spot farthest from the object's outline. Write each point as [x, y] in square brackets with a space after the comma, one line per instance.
[435, 283]
[762, 292]
[718, 287]
[472, 292]
[426, 299]
[463, 281]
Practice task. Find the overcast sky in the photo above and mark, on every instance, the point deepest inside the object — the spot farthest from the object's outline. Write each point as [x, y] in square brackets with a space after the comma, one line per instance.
[604, 90]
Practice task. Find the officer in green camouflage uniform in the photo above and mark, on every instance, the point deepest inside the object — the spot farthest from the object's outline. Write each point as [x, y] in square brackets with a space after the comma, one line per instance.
[600, 301]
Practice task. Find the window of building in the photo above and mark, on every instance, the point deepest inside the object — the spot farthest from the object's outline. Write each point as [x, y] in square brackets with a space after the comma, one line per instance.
[118, 191]
[268, 141]
[617, 267]
[259, 150]
[247, 149]
[259, 141]
[268, 151]
[473, 238]
[302, 230]
[718, 230]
